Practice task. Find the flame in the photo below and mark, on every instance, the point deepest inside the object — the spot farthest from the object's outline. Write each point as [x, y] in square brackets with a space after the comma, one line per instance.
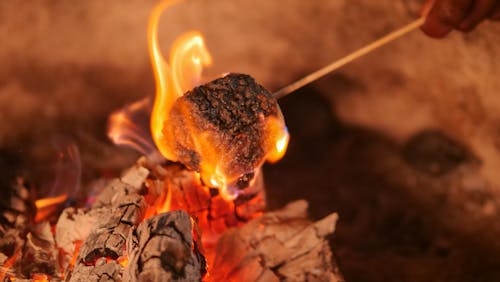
[39, 277]
[187, 57]
[125, 127]
[45, 202]
[78, 244]
[46, 206]
[279, 135]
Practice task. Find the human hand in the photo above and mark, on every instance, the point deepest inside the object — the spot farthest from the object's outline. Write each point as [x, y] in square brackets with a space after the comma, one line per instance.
[443, 16]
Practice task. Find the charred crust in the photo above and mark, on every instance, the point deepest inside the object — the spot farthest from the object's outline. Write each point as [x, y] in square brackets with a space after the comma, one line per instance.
[234, 103]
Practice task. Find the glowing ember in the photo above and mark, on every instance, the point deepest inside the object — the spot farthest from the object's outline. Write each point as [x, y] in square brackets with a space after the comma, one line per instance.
[123, 261]
[78, 245]
[40, 278]
[4, 269]
[161, 203]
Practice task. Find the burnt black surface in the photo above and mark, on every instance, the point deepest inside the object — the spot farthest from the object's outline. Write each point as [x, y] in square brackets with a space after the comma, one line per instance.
[234, 103]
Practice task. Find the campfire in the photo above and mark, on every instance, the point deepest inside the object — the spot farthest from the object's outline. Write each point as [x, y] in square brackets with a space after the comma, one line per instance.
[193, 208]
[402, 143]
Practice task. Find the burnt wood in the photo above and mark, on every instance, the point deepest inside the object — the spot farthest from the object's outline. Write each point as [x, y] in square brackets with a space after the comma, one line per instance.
[121, 208]
[162, 248]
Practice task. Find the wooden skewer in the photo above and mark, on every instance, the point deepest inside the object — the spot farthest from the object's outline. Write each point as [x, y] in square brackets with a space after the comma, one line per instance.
[356, 54]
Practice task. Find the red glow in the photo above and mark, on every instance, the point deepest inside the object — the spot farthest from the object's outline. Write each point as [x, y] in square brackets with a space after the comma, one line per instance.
[78, 245]
[123, 261]
[160, 203]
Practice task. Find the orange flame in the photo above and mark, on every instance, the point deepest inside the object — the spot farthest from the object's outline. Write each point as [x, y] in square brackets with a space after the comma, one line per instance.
[40, 277]
[47, 206]
[188, 56]
[78, 244]
[279, 135]
[45, 202]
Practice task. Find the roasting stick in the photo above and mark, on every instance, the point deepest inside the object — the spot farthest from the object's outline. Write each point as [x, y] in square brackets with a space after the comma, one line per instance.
[356, 54]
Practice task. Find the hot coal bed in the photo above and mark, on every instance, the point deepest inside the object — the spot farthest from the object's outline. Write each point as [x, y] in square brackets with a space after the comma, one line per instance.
[161, 221]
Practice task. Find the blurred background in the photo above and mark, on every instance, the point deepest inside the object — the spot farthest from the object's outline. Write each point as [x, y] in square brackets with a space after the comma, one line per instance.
[404, 143]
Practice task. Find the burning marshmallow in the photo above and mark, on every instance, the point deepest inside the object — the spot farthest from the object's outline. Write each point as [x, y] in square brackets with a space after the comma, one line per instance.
[225, 130]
